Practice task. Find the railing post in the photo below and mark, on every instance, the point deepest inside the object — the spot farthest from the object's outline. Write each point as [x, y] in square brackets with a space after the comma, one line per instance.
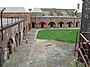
[76, 43]
[1, 22]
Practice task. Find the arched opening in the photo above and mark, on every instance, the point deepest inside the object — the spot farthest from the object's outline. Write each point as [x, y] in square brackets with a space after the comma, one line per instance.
[77, 24]
[10, 45]
[24, 29]
[1, 56]
[33, 24]
[52, 24]
[42, 24]
[11, 40]
[17, 39]
[61, 24]
[69, 24]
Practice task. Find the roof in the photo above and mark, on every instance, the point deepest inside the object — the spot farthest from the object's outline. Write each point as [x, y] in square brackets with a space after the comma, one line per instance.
[64, 12]
[14, 9]
[55, 17]
[78, 10]
[36, 10]
[55, 12]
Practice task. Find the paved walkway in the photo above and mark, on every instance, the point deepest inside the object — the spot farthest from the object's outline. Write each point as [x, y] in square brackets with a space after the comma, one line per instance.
[41, 53]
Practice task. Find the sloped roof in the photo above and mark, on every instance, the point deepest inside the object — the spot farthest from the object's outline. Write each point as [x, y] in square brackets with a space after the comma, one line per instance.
[59, 12]
[54, 12]
[36, 10]
[64, 12]
[14, 9]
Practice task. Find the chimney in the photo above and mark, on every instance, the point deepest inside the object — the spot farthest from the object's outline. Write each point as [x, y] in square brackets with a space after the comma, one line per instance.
[78, 6]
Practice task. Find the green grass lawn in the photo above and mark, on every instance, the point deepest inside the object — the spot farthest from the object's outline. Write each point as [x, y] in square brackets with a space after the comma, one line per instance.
[67, 35]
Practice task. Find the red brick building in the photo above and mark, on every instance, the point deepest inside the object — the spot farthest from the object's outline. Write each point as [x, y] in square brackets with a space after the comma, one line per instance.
[52, 17]
[16, 23]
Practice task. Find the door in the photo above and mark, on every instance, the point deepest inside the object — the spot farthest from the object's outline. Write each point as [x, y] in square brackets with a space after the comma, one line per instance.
[42, 25]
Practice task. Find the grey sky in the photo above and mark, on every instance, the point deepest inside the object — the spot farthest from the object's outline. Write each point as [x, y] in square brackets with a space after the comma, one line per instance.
[41, 3]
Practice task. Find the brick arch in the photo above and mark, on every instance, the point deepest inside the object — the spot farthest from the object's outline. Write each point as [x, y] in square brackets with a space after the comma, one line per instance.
[24, 31]
[77, 23]
[42, 24]
[10, 45]
[1, 56]
[11, 40]
[52, 24]
[34, 24]
[17, 39]
[69, 24]
[60, 24]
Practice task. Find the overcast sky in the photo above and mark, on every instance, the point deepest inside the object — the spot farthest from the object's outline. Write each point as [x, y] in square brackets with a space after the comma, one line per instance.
[41, 3]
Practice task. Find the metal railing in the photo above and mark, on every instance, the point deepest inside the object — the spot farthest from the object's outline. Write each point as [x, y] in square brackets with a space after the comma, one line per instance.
[1, 21]
[83, 48]
[10, 20]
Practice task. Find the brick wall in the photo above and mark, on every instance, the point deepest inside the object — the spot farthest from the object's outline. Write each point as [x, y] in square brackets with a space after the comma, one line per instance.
[56, 21]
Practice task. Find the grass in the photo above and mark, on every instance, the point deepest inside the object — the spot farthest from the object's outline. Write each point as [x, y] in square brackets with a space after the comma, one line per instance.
[67, 35]
[76, 63]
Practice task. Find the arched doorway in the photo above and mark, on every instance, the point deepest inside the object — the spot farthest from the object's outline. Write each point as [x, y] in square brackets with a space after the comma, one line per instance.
[52, 24]
[33, 24]
[42, 24]
[17, 39]
[24, 29]
[1, 56]
[77, 24]
[69, 24]
[61, 24]
[10, 45]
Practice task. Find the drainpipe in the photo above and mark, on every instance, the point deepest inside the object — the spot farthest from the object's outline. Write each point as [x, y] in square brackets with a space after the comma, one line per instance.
[1, 22]
[75, 13]
[74, 22]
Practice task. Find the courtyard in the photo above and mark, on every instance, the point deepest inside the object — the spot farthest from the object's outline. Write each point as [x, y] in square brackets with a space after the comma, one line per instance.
[41, 53]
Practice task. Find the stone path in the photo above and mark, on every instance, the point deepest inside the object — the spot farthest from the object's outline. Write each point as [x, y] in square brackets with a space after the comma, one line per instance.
[41, 53]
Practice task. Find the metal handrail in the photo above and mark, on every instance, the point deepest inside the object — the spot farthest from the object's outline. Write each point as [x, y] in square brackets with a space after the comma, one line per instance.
[1, 21]
[84, 38]
[86, 60]
[76, 43]
[86, 63]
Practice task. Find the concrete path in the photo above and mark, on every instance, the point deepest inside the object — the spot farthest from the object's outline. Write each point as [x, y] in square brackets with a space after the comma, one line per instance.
[41, 53]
